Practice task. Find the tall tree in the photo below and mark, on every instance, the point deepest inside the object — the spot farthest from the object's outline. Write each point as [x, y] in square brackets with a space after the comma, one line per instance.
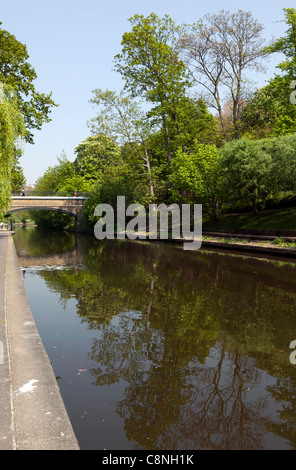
[16, 71]
[218, 49]
[150, 65]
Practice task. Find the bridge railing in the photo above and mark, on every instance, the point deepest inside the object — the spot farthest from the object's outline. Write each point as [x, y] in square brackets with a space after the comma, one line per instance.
[52, 194]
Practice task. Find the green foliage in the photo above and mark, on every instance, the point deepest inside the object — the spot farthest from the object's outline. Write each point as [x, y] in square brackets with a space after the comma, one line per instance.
[246, 168]
[52, 219]
[275, 219]
[197, 124]
[93, 155]
[196, 178]
[283, 153]
[102, 170]
[149, 62]
[118, 181]
[269, 112]
[255, 170]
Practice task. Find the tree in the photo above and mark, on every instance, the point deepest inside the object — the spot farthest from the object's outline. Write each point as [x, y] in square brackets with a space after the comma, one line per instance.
[122, 119]
[218, 50]
[150, 65]
[16, 71]
[198, 124]
[283, 153]
[94, 155]
[269, 111]
[196, 177]
[247, 170]
[11, 131]
[117, 181]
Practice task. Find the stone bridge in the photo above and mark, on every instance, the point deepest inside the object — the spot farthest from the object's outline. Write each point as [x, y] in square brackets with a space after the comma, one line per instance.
[68, 205]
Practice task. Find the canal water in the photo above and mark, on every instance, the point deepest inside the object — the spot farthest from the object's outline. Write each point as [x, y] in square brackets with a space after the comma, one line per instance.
[158, 348]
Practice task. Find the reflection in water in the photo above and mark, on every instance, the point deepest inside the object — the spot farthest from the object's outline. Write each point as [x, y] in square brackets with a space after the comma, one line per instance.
[158, 348]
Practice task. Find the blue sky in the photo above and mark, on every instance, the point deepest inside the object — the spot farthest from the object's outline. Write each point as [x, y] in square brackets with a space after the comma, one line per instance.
[71, 45]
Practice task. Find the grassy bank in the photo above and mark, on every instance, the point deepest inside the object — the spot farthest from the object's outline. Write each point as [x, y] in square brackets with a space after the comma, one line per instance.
[276, 219]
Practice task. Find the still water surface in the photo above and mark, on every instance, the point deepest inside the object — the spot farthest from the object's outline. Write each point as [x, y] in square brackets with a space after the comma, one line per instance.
[157, 348]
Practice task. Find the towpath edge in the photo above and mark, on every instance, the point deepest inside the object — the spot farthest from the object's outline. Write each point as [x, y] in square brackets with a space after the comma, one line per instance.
[33, 415]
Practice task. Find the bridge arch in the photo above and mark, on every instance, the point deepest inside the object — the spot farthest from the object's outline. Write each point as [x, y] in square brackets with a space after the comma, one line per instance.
[42, 208]
[72, 206]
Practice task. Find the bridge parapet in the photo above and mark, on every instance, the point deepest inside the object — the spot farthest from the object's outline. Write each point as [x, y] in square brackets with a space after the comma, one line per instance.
[49, 197]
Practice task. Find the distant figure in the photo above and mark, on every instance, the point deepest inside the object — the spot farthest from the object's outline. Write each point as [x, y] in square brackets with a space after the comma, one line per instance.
[23, 192]
[75, 194]
[1, 225]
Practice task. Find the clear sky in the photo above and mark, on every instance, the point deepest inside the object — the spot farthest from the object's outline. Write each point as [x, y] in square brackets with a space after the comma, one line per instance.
[72, 43]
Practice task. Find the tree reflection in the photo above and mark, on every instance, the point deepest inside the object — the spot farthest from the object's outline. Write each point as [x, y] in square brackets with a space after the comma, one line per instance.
[218, 414]
[171, 406]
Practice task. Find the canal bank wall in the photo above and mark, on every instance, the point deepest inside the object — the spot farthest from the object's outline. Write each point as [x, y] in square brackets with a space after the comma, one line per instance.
[32, 412]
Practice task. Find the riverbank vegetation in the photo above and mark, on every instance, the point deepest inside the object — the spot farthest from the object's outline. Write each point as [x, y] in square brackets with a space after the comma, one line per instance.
[185, 127]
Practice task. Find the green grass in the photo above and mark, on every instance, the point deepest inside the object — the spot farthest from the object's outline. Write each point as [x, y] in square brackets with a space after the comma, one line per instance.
[276, 219]
[282, 242]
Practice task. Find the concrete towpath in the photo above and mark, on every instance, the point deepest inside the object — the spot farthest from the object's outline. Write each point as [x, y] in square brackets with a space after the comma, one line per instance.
[32, 412]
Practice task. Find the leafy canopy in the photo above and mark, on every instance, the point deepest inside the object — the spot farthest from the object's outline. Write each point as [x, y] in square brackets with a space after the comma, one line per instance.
[196, 178]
